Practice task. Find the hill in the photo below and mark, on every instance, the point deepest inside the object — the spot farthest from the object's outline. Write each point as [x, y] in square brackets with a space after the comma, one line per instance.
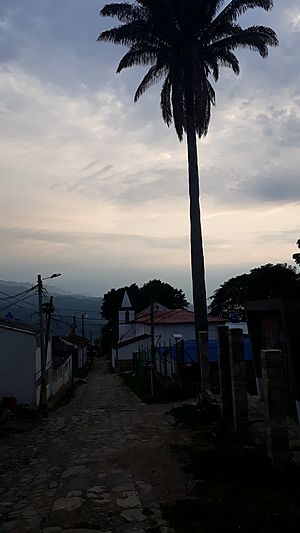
[16, 301]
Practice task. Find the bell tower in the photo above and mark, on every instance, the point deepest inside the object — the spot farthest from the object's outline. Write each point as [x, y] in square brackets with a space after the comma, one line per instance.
[126, 316]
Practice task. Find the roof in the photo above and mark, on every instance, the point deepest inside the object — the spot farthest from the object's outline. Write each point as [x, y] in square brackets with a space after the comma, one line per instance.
[156, 307]
[18, 325]
[132, 340]
[76, 339]
[172, 316]
[126, 304]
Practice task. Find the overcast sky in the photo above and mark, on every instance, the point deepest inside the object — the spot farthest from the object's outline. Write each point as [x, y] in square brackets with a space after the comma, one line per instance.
[95, 186]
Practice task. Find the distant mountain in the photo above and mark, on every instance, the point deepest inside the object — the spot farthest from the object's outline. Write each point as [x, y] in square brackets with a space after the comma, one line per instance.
[17, 302]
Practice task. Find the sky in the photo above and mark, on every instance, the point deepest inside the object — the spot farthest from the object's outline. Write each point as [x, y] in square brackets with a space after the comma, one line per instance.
[95, 186]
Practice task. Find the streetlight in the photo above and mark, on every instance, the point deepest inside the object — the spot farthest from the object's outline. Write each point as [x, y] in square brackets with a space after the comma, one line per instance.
[43, 404]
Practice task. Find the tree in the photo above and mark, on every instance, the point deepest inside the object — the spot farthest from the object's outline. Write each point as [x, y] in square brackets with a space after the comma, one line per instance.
[141, 297]
[267, 281]
[185, 42]
[296, 257]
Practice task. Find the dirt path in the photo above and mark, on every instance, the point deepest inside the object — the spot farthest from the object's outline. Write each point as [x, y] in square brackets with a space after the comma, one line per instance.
[101, 463]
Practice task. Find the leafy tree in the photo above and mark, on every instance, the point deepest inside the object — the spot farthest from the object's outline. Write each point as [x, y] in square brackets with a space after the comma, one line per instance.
[141, 297]
[184, 42]
[267, 281]
[112, 301]
[296, 257]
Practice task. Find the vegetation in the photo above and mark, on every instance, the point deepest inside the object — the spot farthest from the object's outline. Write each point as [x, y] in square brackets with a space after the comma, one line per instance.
[234, 486]
[141, 297]
[296, 257]
[267, 281]
[164, 390]
[184, 42]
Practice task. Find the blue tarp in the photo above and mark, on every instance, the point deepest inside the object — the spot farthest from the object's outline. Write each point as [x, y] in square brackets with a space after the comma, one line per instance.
[190, 351]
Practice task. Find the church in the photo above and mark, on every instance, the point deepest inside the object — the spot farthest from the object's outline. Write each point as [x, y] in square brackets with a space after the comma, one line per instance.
[166, 325]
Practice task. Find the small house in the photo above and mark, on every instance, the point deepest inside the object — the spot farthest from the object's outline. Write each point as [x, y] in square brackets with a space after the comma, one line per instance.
[20, 362]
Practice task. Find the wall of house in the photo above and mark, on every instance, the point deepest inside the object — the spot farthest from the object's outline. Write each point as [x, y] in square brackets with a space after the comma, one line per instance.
[17, 366]
[125, 352]
[164, 332]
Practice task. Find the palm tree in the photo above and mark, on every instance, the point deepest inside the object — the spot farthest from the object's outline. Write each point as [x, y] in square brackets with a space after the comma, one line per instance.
[184, 42]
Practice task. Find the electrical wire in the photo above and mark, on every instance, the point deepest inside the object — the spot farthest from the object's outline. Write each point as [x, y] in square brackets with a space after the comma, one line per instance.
[11, 296]
[14, 303]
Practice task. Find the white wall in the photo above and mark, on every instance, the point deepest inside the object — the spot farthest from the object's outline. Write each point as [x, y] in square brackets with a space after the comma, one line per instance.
[163, 333]
[17, 365]
[125, 353]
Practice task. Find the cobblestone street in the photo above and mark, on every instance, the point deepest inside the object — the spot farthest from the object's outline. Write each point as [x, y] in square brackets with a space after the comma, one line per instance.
[100, 463]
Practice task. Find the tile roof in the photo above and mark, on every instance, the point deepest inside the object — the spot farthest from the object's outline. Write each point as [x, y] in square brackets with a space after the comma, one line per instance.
[172, 316]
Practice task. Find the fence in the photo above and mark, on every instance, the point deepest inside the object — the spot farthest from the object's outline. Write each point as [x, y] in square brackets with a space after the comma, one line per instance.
[171, 359]
[61, 376]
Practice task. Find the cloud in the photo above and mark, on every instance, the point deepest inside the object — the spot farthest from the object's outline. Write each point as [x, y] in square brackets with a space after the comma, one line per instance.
[90, 179]
[82, 238]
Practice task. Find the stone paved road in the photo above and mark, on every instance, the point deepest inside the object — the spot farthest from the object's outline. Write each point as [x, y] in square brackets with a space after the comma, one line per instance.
[100, 463]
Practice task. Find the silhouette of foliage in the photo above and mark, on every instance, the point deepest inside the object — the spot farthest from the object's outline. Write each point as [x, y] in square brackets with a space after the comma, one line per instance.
[267, 281]
[296, 257]
[141, 297]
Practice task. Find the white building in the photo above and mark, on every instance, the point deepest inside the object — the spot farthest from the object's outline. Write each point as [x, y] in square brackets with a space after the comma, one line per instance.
[20, 362]
[135, 331]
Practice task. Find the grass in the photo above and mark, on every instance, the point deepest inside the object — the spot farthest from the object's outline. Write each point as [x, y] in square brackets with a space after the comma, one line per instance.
[234, 486]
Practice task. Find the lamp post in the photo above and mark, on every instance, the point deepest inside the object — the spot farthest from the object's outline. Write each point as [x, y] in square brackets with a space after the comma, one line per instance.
[43, 403]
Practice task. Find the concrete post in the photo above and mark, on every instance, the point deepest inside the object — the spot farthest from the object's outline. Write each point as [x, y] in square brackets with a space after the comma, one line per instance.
[277, 435]
[239, 381]
[225, 377]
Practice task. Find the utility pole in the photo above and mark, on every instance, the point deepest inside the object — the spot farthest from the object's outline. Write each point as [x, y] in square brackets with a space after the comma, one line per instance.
[83, 316]
[153, 362]
[43, 406]
[49, 310]
[152, 332]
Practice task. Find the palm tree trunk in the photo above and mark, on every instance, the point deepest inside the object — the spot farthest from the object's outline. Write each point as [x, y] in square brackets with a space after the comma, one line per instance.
[197, 254]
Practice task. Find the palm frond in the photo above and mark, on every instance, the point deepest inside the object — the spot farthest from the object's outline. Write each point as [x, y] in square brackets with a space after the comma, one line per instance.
[124, 12]
[126, 34]
[178, 109]
[153, 75]
[256, 38]
[138, 56]
[165, 101]
[235, 8]
[213, 7]
[213, 66]
[226, 58]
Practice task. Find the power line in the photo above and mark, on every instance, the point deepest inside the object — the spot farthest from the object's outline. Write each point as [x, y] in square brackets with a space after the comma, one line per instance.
[85, 318]
[11, 296]
[14, 303]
